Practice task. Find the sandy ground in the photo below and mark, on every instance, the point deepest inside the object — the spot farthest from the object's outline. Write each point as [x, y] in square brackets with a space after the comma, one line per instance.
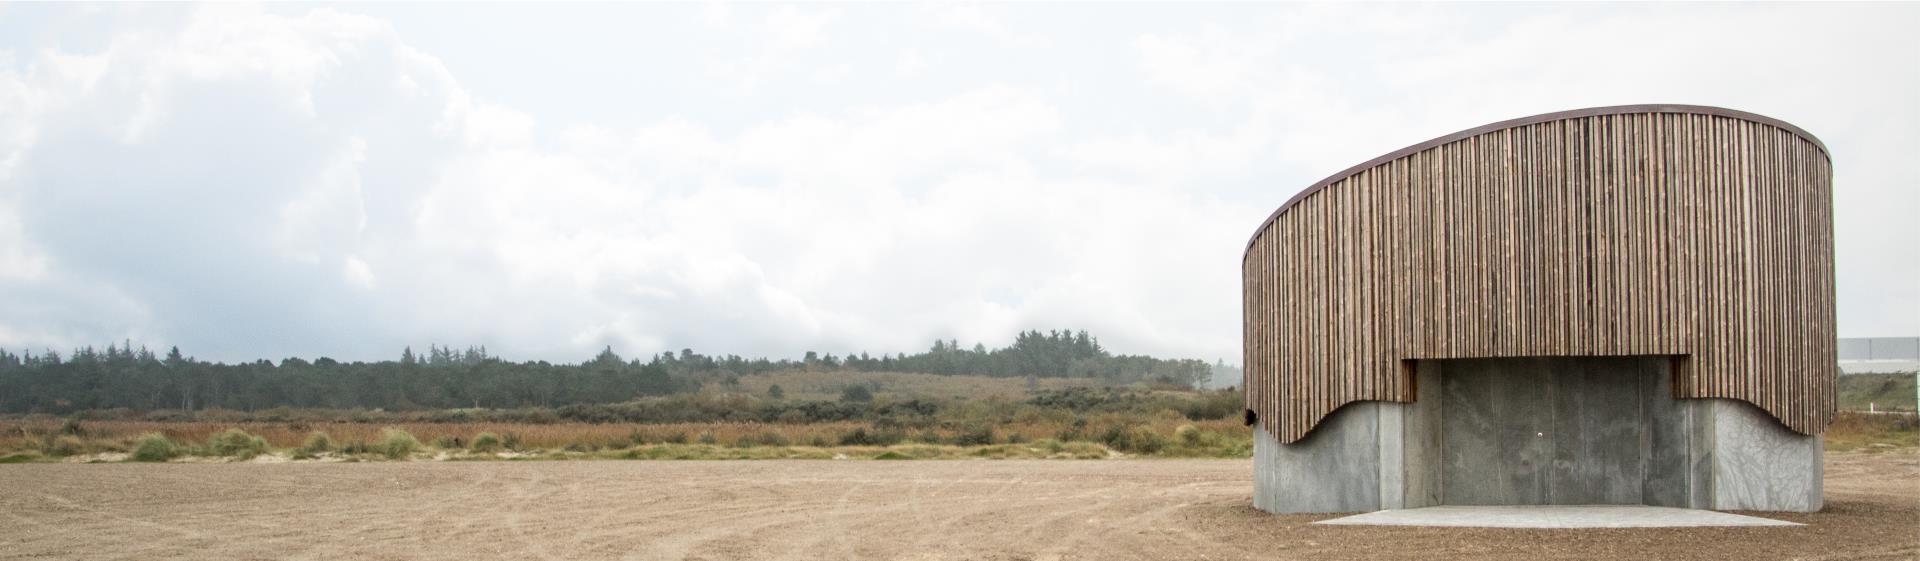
[1117, 509]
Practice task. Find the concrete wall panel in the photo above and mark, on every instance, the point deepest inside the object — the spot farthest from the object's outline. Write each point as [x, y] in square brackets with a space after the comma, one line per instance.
[1672, 477]
[1422, 451]
[1588, 430]
[1760, 465]
[1332, 470]
[1494, 432]
[1599, 429]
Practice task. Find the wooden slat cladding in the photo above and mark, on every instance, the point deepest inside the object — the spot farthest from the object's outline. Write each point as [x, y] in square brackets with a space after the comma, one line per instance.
[1701, 233]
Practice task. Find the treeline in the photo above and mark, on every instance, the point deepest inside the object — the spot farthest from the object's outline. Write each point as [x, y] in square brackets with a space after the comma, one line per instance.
[445, 378]
[1051, 354]
[123, 377]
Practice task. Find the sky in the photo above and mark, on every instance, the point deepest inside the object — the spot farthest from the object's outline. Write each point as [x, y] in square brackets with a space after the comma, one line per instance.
[310, 180]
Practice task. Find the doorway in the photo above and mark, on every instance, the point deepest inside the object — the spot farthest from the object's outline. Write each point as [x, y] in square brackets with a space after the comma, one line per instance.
[1558, 430]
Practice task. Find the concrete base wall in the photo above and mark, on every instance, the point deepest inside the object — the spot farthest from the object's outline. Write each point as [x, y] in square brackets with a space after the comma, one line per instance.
[1357, 459]
[1336, 468]
[1564, 430]
[1756, 463]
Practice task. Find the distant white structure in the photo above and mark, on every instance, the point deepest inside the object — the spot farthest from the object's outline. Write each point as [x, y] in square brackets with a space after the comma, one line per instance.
[1877, 355]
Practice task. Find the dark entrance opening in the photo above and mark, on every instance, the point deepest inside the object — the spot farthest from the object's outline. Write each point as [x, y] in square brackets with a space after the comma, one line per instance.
[1561, 431]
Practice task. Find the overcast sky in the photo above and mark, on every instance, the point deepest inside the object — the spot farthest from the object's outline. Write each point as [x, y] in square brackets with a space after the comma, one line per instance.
[310, 180]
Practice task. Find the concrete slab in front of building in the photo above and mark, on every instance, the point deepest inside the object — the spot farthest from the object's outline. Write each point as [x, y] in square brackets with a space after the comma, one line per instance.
[1583, 516]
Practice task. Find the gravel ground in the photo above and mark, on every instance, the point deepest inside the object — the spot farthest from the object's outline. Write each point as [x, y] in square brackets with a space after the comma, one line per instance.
[799, 509]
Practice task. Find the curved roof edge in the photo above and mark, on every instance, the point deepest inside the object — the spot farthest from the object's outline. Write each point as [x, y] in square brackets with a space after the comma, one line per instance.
[1529, 120]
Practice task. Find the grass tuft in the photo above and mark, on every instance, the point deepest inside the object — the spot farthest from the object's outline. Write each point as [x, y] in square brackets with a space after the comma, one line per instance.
[20, 458]
[1188, 435]
[236, 443]
[155, 447]
[317, 442]
[396, 444]
[486, 442]
[65, 445]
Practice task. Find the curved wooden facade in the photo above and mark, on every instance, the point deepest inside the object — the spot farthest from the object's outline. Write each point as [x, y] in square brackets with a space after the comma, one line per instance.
[1701, 233]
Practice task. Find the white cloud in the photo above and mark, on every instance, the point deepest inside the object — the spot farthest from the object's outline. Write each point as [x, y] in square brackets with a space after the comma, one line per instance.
[983, 18]
[1407, 76]
[327, 218]
[358, 273]
[776, 48]
[791, 27]
[262, 184]
[18, 260]
[909, 64]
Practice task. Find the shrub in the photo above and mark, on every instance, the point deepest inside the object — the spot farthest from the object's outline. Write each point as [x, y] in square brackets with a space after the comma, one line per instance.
[317, 442]
[706, 437]
[817, 441]
[1146, 441]
[486, 442]
[1016, 438]
[975, 436]
[856, 393]
[448, 443]
[1188, 434]
[860, 437]
[1217, 404]
[676, 438]
[770, 438]
[236, 443]
[356, 447]
[1137, 439]
[65, 445]
[774, 391]
[154, 447]
[396, 444]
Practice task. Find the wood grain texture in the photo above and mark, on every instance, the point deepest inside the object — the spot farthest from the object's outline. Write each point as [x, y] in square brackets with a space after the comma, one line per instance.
[1699, 233]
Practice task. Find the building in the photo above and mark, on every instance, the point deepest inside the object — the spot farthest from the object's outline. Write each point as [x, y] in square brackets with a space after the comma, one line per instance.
[1879, 355]
[1616, 305]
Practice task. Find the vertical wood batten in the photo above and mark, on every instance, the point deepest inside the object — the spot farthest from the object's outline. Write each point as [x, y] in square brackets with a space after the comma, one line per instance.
[1694, 234]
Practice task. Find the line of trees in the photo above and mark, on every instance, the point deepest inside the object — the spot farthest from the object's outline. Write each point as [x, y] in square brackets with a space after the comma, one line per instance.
[1050, 354]
[444, 378]
[137, 379]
